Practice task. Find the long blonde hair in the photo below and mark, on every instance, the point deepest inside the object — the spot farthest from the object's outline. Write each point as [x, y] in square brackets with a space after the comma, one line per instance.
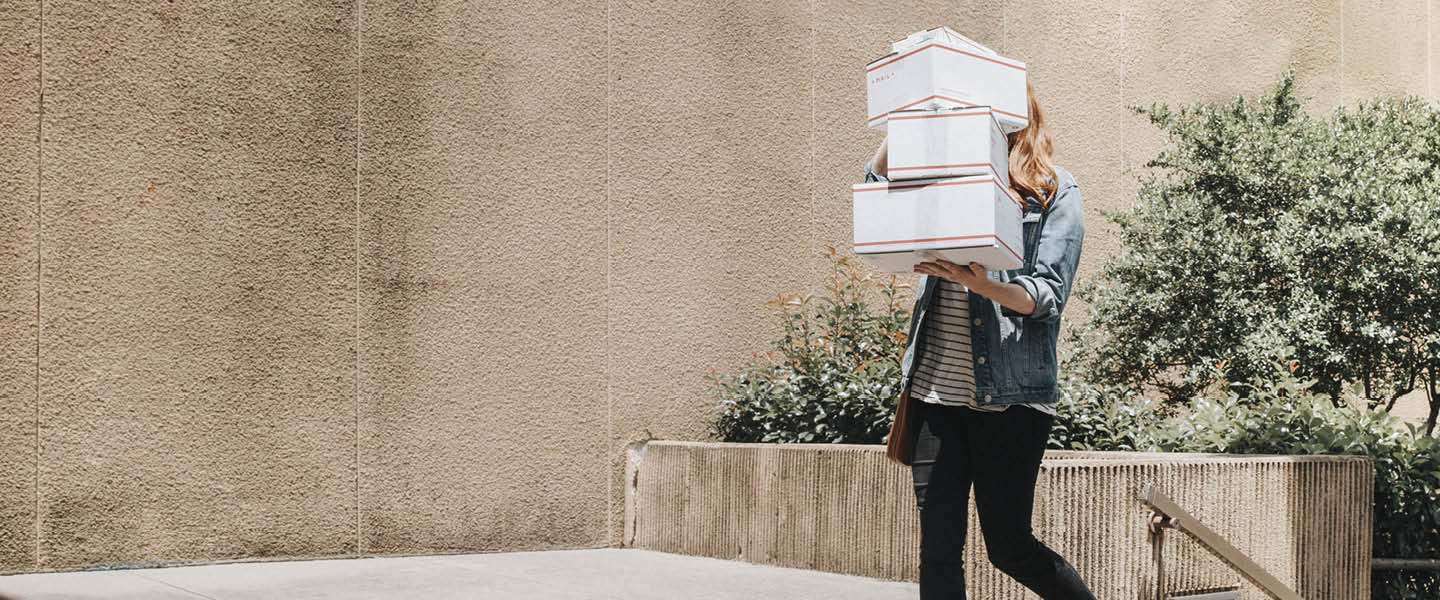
[1032, 155]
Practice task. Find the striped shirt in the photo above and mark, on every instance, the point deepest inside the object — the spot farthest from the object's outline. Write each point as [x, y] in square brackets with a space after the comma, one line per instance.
[946, 372]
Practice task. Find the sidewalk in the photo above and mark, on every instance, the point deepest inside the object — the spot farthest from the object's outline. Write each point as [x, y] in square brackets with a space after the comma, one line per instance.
[600, 573]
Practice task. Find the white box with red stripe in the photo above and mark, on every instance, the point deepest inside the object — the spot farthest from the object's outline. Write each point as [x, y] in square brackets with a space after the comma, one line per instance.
[941, 33]
[947, 142]
[900, 224]
[940, 73]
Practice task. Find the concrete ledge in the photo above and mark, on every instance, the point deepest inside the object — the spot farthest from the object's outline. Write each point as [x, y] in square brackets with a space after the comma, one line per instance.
[845, 508]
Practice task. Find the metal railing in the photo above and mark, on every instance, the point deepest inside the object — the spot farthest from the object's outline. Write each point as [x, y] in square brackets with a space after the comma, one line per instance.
[1164, 513]
[1408, 564]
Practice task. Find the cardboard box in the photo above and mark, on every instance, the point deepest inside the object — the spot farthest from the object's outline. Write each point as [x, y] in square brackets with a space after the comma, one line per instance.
[959, 219]
[947, 142]
[943, 34]
[943, 73]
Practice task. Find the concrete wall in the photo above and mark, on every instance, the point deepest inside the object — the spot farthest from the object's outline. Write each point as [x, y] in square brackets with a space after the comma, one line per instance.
[846, 508]
[336, 278]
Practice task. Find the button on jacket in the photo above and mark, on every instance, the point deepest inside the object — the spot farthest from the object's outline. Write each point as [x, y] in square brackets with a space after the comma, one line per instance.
[1014, 353]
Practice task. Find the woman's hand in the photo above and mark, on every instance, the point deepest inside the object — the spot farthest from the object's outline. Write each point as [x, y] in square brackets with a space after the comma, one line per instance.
[973, 276]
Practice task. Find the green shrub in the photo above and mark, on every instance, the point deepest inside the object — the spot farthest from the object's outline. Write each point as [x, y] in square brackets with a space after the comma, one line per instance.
[1102, 417]
[1259, 227]
[834, 373]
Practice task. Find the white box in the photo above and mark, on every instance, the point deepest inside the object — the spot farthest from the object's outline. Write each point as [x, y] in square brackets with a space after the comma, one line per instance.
[959, 219]
[947, 142]
[941, 73]
[942, 33]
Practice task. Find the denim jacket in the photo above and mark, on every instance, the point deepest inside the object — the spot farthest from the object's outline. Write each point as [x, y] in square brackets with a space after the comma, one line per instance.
[1014, 353]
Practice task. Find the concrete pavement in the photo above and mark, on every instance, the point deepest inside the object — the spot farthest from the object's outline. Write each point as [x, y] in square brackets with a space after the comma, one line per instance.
[599, 573]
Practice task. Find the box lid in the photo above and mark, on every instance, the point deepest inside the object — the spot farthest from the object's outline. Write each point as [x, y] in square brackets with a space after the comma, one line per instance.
[946, 111]
[870, 186]
[920, 183]
[941, 33]
[953, 47]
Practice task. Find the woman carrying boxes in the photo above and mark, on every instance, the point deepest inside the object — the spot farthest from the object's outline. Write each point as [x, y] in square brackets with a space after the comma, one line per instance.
[996, 231]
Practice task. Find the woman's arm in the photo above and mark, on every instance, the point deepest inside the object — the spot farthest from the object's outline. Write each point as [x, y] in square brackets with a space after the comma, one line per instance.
[1008, 295]
[1057, 257]
[1040, 296]
[878, 164]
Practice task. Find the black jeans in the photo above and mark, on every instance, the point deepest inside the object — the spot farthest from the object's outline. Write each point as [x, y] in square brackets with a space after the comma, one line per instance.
[1000, 453]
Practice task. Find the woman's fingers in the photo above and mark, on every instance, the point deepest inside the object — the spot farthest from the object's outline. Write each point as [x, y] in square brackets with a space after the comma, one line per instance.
[955, 271]
[969, 274]
[951, 272]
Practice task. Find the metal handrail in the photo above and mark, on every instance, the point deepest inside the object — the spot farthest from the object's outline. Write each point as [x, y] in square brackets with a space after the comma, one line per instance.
[1409, 564]
[1165, 513]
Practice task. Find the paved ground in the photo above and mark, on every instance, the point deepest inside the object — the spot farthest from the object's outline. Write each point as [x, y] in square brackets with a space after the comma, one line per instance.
[602, 573]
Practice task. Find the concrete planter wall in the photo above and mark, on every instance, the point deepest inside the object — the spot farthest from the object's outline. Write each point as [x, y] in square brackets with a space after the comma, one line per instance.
[845, 508]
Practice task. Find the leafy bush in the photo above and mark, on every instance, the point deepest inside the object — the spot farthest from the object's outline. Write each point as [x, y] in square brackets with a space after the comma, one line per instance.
[1259, 227]
[832, 376]
[1101, 417]
[1277, 412]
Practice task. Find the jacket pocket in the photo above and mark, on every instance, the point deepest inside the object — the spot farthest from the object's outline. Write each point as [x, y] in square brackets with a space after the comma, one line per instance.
[1038, 341]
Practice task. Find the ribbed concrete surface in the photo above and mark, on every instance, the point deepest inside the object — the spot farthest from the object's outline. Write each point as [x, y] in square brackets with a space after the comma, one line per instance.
[845, 508]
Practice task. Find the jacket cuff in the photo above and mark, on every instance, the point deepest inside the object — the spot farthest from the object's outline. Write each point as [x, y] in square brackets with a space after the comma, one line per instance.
[870, 174]
[1028, 284]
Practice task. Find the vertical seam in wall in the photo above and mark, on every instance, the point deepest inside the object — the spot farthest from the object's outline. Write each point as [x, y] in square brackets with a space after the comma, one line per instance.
[609, 304]
[359, 549]
[810, 229]
[39, 225]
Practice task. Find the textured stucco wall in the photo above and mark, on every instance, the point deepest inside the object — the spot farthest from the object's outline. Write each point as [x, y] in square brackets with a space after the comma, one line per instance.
[197, 282]
[285, 279]
[482, 282]
[19, 122]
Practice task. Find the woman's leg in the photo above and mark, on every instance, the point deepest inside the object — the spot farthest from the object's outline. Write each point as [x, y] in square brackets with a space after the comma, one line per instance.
[941, 470]
[1006, 448]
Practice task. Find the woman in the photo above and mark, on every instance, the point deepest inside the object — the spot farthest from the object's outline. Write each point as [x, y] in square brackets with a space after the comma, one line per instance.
[980, 375]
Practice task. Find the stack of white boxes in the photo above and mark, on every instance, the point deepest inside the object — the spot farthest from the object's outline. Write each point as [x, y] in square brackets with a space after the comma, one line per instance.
[947, 103]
